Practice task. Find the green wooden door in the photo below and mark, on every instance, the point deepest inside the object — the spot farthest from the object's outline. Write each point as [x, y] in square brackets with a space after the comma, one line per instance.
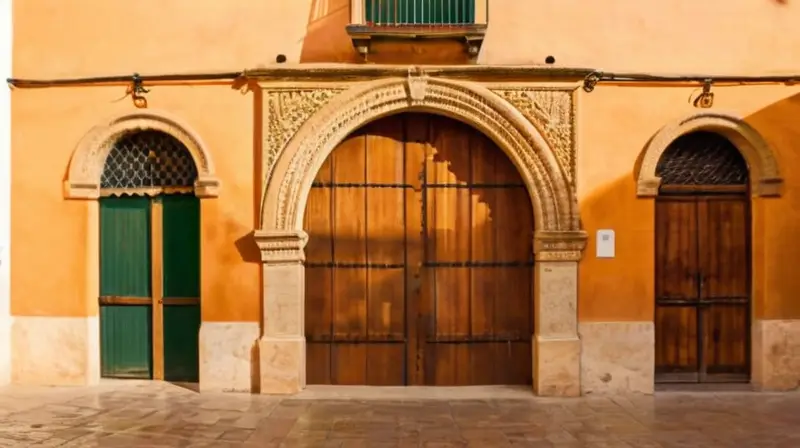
[125, 329]
[181, 290]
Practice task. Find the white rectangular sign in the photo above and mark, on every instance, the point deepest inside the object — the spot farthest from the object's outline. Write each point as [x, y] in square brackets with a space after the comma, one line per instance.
[605, 243]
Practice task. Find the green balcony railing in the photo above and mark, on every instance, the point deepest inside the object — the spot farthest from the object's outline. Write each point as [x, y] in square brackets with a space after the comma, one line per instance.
[420, 12]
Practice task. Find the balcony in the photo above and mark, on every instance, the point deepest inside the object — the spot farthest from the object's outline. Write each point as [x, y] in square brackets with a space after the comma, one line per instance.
[412, 21]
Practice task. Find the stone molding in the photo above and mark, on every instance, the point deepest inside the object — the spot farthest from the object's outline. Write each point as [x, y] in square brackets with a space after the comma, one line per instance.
[765, 178]
[288, 180]
[281, 247]
[559, 246]
[89, 158]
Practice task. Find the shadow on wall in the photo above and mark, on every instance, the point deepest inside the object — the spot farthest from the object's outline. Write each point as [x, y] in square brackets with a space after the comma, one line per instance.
[779, 125]
[619, 289]
[326, 38]
[623, 288]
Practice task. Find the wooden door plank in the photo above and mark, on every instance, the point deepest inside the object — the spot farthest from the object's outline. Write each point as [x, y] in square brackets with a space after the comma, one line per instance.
[725, 263]
[676, 280]
[418, 302]
[385, 245]
[180, 217]
[448, 240]
[509, 228]
[125, 325]
[487, 316]
[318, 223]
[349, 359]
[156, 277]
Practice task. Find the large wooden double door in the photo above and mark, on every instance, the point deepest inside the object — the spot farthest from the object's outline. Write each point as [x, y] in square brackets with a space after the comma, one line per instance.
[419, 266]
[703, 285]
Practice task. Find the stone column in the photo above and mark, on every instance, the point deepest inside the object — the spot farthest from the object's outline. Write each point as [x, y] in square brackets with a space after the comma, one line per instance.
[282, 347]
[556, 345]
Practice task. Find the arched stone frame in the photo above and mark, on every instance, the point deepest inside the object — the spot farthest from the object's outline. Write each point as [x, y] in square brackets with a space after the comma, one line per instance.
[765, 179]
[88, 159]
[558, 240]
[765, 182]
[83, 182]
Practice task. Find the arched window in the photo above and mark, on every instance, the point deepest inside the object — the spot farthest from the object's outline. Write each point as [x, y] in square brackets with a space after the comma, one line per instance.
[702, 158]
[148, 162]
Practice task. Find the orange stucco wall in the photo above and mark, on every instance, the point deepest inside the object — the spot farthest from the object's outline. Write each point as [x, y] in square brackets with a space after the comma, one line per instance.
[53, 232]
[615, 125]
[98, 37]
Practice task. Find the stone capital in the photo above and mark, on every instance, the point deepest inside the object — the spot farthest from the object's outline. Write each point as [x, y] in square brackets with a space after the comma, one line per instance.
[648, 188]
[206, 187]
[559, 246]
[281, 246]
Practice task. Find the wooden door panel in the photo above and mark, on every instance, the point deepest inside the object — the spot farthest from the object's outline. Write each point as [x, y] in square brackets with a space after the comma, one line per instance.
[417, 139]
[726, 339]
[318, 223]
[724, 241]
[385, 364]
[478, 243]
[724, 258]
[125, 329]
[676, 319]
[348, 364]
[385, 248]
[181, 345]
[676, 249]
[181, 286]
[676, 340]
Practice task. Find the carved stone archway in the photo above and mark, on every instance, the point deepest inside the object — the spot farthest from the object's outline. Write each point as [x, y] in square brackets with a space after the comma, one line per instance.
[765, 178]
[290, 180]
[88, 160]
[292, 163]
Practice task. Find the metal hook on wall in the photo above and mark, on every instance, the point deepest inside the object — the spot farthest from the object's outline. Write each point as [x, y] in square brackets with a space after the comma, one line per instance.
[706, 98]
[136, 90]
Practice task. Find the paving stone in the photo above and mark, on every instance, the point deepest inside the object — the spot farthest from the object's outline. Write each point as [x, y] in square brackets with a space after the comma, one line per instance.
[155, 414]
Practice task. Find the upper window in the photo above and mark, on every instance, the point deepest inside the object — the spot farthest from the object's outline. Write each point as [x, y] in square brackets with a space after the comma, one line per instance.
[393, 20]
[419, 12]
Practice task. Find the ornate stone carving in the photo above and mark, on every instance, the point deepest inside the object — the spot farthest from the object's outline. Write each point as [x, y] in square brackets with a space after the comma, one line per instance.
[554, 201]
[552, 111]
[765, 178]
[287, 110]
[417, 86]
[281, 247]
[88, 160]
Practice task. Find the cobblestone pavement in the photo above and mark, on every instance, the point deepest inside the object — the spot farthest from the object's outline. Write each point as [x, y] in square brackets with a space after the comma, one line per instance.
[151, 414]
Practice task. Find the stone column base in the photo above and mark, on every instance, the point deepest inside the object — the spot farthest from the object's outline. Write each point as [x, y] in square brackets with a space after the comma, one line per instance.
[282, 365]
[776, 355]
[556, 367]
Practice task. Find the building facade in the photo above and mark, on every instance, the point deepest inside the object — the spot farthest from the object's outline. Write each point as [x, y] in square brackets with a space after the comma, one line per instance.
[405, 193]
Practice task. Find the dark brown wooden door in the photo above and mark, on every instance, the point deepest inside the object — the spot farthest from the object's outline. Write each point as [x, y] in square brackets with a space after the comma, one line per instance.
[419, 262]
[702, 285]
